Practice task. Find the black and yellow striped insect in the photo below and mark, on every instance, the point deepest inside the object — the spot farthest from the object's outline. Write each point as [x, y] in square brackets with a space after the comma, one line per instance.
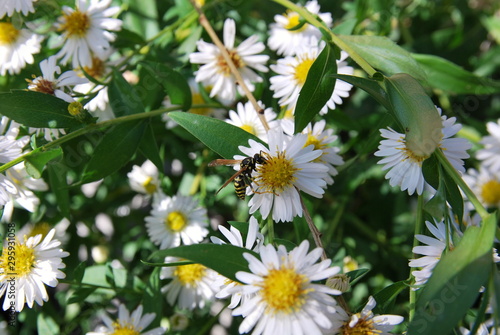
[243, 177]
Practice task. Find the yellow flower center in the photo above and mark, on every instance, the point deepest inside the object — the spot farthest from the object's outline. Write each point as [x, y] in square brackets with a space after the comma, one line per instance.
[40, 228]
[288, 114]
[364, 326]
[276, 174]
[294, 21]
[283, 290]
[42, 85]
[248, 128]
[97, 69]
[176, 221]
[222, 64]
[8, 34]
[411, 155]
[190, 274]
[197, 99]
[126, 329]
[149, 185]
[302, 70]
[491, 192]
[76, 24]
[17, 259]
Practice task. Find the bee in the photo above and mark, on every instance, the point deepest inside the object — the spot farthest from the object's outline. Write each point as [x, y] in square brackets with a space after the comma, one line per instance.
[243, 177]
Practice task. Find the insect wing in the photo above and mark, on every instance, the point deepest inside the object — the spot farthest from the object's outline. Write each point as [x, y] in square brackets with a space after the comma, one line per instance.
[231, 179]
[219, 162]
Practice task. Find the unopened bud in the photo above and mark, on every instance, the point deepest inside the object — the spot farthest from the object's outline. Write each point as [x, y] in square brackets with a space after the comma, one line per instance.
[339, 282]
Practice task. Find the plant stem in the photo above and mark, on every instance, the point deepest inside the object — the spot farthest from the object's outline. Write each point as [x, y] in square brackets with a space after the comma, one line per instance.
[314, 230]
[418, 230]
[270, 230]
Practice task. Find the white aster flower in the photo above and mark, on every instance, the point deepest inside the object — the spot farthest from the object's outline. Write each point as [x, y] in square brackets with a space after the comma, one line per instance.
[86, 31]
[247, 119]
[191, 284]
[21, 6]
[405, 166]
[485, 184]
[366, 322]
[286, 300]
[37, 264]
[17, 48]
[175, 219]
[127, 323]
[144, 178]
[289, 168]
[224, 286]
[292, 74]
[286, 40]
[490, 154]
[215, 71]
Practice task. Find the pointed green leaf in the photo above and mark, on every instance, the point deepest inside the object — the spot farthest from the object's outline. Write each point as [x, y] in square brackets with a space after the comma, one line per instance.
[384, 55]
[58, 185]
[149, 147]
[455, 282]
[224, 258]
[370, 86]
[36, 161]
[81, 294]
[38, 110]
[152, 297]
[356, 275]
[123, 97]
[114, 150]
[386, 297]
[317, 89]
[219, 136]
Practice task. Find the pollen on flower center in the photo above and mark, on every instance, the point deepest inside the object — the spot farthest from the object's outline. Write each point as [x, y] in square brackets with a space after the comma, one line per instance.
[24, 259]
[97, 69]
[40, 228]
[294, 21]
[175, 221]
[248, 128]
[490, 192]
[76, 24]
[42, 85]
[190, 274]
[283, 290]
[364, 326]
[276, 174]
[126, 329]
[411, 155]
[8, 34]
[222, 65]
[149, 186]
[302, 70]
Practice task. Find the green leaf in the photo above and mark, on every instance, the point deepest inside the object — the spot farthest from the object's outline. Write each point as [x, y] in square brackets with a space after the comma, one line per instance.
[455, 282]
[453, 196]
[221, 137]
[58, 185]
[384, 55]
[149, 147]
[114, 150]
[174, 83]
[152, 297]
[36, 161]
[123, 98]
[317, 88]
[386, 297]
[38, 110]
[81, 294]
[45, 324]
[224, 258]
[356, 275]
[453, 79]
[370, 86]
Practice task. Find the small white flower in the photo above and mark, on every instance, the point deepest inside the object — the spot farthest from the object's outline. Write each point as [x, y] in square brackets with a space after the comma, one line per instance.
[366, 322]
[405, 167]
[21, 6]
[86, 31]
[37, 264]
[248, 120]
[128, 323]
[191, 284]
[144, 178]
[490, 154]
[175, 219]
[286, 300]
[17, 48]
[285, 40]
[216, 73]
[485, 184]
[292, 73]
[289, 168]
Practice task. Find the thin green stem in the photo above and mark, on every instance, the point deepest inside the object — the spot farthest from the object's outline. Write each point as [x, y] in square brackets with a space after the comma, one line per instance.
[419, 225]
[315, 21]
[270, 230]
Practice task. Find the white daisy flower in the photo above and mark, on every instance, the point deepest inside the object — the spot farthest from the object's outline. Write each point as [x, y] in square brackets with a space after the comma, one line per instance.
[86, 31]
[128, 323]
[292, 73]
[21, 6]
[366, 322]
[490, 154]
[285, 40]
[224, 286]
[191, 285]
[37, 263]
[175, 219]
[405, 167]
[289, 168]
[17, 48]
[216, 73]
[286, 300]
[485, 184]
[144, 178]
[247, 119]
